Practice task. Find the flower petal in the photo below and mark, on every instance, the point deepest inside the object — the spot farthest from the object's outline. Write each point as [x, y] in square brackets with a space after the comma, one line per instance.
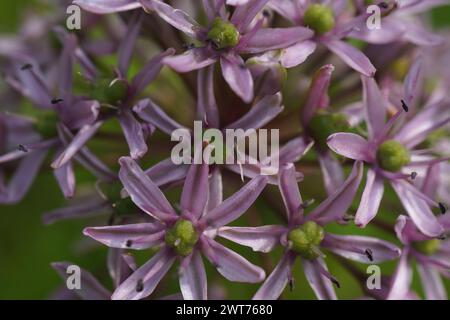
[322, 286]
[149, 275]
[375, 106]
[371, 199]
[191, 60]
[231, 265]
[401, 281]
[332, 173]
[126, 47]
[431, 282]
[261, 239]
[195, 190]
[238, 76]
[296, 54]
[107, 6]
[84, 209]
[193, 278]
[129, 236]
[290, 193]
[350, 145]
[206, 102]
[144, 193]
[66, 179]
[166, 172]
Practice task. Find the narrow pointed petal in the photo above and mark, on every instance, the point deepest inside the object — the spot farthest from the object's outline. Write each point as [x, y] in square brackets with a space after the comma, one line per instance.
[266, 39]
[418, 210]
[84, 209]
[231, 265]
[236, 205]
[260, 114]
[318, 90]
[120, 265]
[238, 77]
[80, 139]
[352, 56]
[107, 6]
[355, 247]
[350, 145]
[371, 199]
[431, 282]
[126, 47]
[244, 15]
[413, 83]
[406, 231]
[134, 134]
[296, 54]
[153, 114]
[149, 72]
[215, 189]
[322, 286]
[274, 285]
[80, 113]
[166, 172]
[206, 101]
[195, 190]
[401, 281]
[130, 236]
[175, 17]
[335, 206]
[417, 34]
[191, 60]
[290, 193]
[332, 173]
[193, 278]
[260, 239]
[144, 193]
[66, 179]
[149, 275]
[90, 289]
[294, 150]
[23, 177]
[375, 106]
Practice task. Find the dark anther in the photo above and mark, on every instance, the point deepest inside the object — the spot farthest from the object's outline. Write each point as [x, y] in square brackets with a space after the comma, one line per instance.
[307, 203]
[291, 284]
[405, 106]
[242, 66]
[413, 175]
[442, 237]
[335, 282]
[129, 243]
[442, 207]
[22, 148]
[26, 66]
[55, 101]
[384, 5]
[369, 254]
[139, 285]
[266, 13]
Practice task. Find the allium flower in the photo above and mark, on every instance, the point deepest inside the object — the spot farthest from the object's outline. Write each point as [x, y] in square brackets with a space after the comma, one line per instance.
[185, 236]
[330, 24]
[304, 236]
[391, 151]
[400, 24]
[432, 258]
[224, 39]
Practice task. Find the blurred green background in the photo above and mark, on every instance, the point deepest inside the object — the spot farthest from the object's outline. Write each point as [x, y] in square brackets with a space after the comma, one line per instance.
[27, 247]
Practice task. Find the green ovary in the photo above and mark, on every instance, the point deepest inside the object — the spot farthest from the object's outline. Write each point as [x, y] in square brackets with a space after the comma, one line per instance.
[223, 34]
[320, 18]
[182, 237]
[306, 239]
[392, 155]
[427, 247]
[110, 91]
[324, 124]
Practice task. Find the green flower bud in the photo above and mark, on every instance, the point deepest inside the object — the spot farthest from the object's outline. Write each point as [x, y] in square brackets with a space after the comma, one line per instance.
[392, 155]
[320, 18]
[306, 238]
[182, 237]
[46, 124]
[427, 247]
[110, 91]
[324, 124]
[223, 34]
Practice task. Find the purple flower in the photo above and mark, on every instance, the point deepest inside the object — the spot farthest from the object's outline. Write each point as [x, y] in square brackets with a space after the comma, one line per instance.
[432, 258]
[330, 25]
[183, 236]
[401, 24]
[225, 39]
[304, 237]
[391, 151]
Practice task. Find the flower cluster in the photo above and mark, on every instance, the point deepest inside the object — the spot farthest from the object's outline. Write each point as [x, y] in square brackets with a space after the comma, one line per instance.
[350, 102]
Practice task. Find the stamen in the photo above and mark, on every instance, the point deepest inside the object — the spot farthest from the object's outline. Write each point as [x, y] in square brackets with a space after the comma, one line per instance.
[413, 175]
[442, 207]
[139, 285]
[26, 66]
[405, 106]
[22, 148]
[335, 282]
[291, 283]
[369, 254]
[55, 101]
[442, 237]
[129, 243]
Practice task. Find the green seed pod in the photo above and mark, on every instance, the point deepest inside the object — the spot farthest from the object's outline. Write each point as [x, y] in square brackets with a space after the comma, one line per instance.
[182, 237]
[320, 18]
[324, 124]
[306, 238]
[223, 34]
